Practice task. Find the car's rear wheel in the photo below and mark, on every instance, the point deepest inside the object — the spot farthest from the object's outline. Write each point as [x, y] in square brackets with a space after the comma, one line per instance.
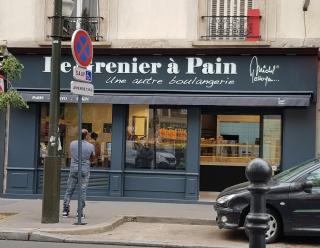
[274, 227]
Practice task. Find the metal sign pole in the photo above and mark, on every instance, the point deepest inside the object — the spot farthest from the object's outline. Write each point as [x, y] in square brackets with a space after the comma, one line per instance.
[79, 157]
[79, 10]
[83, 58]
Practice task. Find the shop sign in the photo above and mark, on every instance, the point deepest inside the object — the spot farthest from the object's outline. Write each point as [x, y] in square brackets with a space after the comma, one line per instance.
[192, 73]
[45, 97]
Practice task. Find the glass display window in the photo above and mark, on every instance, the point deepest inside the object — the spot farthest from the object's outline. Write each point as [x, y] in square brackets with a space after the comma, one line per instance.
[272, 140]
[156, 138]
[96, 118]
[234, 140]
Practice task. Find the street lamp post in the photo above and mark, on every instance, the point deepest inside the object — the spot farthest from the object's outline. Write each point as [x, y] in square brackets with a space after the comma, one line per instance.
[51, 185]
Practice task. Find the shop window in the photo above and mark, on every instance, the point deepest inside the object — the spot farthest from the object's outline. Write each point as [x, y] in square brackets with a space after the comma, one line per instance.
[98, 125]
[272, 140]
[229, 139]
[156, 139]
[235, 139]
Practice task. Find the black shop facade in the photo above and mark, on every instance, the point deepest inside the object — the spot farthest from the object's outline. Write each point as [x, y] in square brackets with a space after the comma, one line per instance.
[169, 125]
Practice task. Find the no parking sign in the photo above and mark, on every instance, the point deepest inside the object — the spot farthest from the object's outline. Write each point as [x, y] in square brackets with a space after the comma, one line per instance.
[81, 46]
[82, 51]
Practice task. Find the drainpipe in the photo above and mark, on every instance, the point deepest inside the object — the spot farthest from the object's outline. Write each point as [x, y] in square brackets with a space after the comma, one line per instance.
[306, 5]
[4, 124]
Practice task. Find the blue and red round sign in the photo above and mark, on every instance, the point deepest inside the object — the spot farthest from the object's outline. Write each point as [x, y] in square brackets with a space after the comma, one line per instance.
[81, 46]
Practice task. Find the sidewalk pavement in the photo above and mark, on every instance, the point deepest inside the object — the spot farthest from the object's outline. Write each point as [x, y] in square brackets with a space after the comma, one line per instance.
[101, 217]
[123, 223]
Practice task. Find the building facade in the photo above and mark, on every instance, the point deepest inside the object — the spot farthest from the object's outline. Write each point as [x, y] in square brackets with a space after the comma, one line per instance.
[184, 96]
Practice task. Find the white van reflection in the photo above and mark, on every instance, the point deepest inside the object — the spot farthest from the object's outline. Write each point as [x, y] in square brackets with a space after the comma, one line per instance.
[140, 155]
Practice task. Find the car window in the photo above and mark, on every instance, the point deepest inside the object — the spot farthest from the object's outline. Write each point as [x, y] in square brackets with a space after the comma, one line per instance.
[314, 176]
[292, 172]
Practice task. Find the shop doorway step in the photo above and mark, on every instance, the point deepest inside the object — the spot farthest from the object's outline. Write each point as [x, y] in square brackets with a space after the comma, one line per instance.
[208, 196]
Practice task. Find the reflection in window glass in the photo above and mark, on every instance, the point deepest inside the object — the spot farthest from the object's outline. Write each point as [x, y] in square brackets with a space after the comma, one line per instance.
[97, 118]
[156, 138]
[272, 139]
[314, 177]
[229, 139]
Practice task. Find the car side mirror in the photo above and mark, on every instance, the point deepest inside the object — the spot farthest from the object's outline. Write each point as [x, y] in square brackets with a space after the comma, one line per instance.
[307, 186]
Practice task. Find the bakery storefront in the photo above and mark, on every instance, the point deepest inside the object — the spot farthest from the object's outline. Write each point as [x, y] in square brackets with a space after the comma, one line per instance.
[169, 125]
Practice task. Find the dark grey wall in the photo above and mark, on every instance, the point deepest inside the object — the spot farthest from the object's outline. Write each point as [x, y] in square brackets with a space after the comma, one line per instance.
[151, 184]
[193, 153]
[119, 115]
[299, 135]
[22, 150]
[2, 143]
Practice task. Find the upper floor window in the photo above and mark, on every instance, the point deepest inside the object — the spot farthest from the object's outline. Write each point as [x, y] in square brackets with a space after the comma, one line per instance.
[232, 20]
[90, 18]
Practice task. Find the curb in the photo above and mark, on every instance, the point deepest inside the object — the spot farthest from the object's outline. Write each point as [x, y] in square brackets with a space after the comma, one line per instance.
[142, 244]
[98, 228]
[119, 220]
[45, 237]
[65, 235]
[15, 234]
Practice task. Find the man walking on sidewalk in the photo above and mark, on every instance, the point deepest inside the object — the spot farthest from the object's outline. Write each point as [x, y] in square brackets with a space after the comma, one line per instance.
[87, 152]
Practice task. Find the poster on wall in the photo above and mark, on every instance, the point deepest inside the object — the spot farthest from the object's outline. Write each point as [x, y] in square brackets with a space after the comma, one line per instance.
[87, 126]
[107, 127]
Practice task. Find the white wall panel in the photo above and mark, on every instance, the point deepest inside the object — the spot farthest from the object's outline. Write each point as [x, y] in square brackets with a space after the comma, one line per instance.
[154, 19]
[22, 20]
[290, 19]
[313, 19]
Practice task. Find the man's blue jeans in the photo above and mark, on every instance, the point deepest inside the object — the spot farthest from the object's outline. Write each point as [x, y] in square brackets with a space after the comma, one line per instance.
[71, 186]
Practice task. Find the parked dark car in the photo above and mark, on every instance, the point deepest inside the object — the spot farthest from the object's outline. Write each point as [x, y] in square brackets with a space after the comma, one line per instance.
[293, 203]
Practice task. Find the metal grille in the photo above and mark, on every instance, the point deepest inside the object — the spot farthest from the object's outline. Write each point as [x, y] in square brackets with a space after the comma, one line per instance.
[88, 23]
[227, 19]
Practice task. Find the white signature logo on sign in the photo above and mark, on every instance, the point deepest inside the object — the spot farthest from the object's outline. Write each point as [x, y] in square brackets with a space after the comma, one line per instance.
[262, 73]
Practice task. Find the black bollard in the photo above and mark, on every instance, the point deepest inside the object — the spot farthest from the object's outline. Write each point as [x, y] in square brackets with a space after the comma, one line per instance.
[258, 173]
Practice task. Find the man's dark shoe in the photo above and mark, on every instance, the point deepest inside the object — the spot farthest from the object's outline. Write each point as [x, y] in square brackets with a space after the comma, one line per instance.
[65, 212]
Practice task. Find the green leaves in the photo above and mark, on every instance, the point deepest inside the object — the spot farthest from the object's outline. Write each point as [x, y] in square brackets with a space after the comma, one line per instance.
[12, 98]
[12, 68]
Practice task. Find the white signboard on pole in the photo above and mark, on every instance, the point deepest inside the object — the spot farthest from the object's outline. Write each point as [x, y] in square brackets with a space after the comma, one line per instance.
[83, 89]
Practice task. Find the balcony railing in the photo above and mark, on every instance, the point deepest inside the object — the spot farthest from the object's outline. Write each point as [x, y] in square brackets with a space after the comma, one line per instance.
[88, 23]
[231, 28]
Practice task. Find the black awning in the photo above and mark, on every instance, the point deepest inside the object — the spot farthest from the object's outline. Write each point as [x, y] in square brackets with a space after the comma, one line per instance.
[279, 100]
